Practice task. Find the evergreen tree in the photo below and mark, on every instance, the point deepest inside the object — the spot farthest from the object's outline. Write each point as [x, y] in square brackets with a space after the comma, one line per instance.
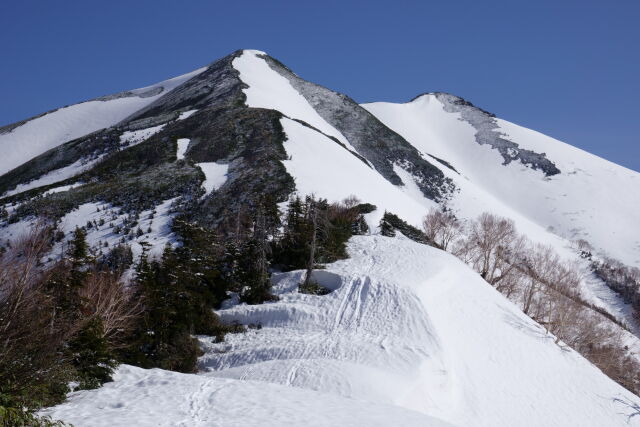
[386, 229]
[91, 356]
[253, 268]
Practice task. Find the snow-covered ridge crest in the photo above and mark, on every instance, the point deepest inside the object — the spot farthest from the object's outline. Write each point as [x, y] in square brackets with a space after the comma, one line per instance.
[268, 89]
[26, 140]
[407, 328]
[591, 199]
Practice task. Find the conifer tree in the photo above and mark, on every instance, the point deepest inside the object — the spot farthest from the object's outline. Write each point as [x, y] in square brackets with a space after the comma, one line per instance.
[91, 356]
[386, 229]
[255, 260]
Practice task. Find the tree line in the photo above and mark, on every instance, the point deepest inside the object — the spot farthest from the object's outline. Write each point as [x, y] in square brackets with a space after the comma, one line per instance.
[67, 324]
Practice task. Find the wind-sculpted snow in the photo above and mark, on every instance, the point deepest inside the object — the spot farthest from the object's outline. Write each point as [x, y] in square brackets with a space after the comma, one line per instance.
[157, 398]
[407, 329]
[488, 132]
[412, 326]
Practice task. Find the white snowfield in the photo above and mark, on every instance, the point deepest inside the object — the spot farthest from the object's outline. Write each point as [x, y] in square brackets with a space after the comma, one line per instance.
[65, 124]
[591, 198]
[56, 175]
[409, 336]
[268, 89]
[215, 175]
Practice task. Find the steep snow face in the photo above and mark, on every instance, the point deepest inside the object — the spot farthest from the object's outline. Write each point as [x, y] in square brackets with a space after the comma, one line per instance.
[34, 137]
[590, 198]
[131, 138]
[321, 166]
[183, 145]
[408, 330]
[268, 89]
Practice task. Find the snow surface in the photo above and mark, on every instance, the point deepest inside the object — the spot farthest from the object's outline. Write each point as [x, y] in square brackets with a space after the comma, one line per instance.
[156, 240]
[131, 138]
[215, 173]
[183, 145]
[591, 198]
[56, 175]
[321, 166]
[154, 397]
[268, 89]
[57, 127]
[187, 114]
[61, 189]
[408, 334]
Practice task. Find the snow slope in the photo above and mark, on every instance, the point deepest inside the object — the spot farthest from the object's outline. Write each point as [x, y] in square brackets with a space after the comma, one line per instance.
[42, 133]
[268, 89]
[155, 397]
[319, 165]
[215, 175]
[56, 175]
[408, 331]
[591, 198]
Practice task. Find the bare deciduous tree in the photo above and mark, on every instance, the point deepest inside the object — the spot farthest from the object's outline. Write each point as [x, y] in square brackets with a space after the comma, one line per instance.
[104, 296]
[441, 227]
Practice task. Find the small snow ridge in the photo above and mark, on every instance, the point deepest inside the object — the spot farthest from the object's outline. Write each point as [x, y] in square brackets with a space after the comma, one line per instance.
[215, 175]
[61, 189]
[187, 114]
[183, 144]
[56, 175]
[130, 138]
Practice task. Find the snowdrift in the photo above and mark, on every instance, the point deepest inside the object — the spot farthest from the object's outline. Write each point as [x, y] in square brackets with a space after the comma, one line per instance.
[409, 336]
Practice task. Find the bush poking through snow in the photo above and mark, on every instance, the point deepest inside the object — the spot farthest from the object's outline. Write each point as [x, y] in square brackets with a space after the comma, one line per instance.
[313, 288]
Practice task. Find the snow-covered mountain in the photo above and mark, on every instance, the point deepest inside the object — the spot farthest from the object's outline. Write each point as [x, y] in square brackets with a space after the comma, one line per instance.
[409, 335]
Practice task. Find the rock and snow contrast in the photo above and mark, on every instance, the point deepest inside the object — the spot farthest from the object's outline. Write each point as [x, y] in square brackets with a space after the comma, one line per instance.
[409, 335]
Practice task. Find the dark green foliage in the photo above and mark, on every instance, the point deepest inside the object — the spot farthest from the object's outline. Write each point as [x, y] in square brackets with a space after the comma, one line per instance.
[313, 288]
[292, 252]
[117, 259]
[91, 355]
[334, 225]
[179, 293]
[67, 278]
[163, 336]
[13, 414]
[386, 229]
[78, 248]
[391, 222]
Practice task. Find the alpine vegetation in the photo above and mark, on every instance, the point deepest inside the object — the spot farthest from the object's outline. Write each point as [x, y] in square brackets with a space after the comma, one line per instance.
[240, 246]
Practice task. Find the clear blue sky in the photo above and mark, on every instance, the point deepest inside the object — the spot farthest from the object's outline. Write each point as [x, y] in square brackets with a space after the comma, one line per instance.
[570, 69]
